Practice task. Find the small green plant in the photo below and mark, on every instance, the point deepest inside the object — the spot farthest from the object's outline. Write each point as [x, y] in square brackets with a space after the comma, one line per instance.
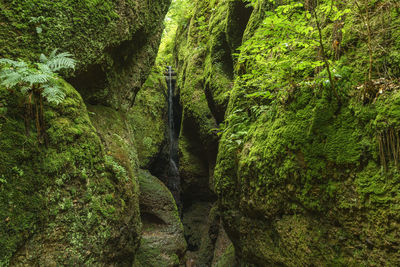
[147, 142]
[287, 50]
[35, 81]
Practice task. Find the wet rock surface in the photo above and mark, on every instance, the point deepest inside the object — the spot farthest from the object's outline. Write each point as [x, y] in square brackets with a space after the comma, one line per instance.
[163, 242]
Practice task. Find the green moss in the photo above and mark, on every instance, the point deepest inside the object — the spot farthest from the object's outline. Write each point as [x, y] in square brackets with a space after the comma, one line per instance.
[150, 185]
[311, 158]
[116, 36]
[52, 195]
[116, 133]
[191, 49]
[299, 177]
[227, 258]
[162, 242]
[149, 256]
[99, 23]
[148, 118]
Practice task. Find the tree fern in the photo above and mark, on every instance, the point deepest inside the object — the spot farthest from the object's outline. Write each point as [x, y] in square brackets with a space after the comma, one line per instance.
[21, 75]
[10, 78]
[53, 94]
[57, 62]
[36, 80]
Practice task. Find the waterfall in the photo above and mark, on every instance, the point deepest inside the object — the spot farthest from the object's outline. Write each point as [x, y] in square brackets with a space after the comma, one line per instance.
[173, 182]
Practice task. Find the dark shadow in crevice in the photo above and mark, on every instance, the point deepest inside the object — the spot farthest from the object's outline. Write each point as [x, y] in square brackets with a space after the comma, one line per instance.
[149, 218]
[90, 84]
[95, 82]
[239, 16]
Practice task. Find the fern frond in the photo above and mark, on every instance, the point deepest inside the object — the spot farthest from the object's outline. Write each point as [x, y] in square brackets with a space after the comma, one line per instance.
[43, 58]
[36, 78]
[53, 53]
[61, 61]
[44, 68]
[42, 75]
[10, 79]
[53, 94]
[5, 72]
[25, 89]
[13, 63]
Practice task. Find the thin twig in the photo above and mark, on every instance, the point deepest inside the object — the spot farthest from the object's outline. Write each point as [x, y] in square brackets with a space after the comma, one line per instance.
[324, 57]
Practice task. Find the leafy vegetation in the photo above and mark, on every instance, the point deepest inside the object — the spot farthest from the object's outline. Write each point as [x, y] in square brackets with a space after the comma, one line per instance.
[35, 81]
[178, 12]
[306, 43]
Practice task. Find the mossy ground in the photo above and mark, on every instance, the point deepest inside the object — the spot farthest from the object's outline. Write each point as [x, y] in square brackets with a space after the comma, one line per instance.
[163, 242]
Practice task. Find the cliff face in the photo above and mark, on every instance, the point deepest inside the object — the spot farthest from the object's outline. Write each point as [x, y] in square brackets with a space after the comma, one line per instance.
[301, 178]
[76, 201]
[67, 203]
[203, 53]
[115, 42]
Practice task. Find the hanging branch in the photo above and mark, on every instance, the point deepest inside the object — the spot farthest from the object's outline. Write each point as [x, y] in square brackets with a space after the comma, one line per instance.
[366, 20]
[326, 62]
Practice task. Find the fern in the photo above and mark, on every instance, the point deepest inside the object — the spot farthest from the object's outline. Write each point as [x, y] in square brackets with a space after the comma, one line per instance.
[58, 62]
[13, 63]
[10, 78]
[35, 81]
[37, 78]
[53, 94]
[27, 77]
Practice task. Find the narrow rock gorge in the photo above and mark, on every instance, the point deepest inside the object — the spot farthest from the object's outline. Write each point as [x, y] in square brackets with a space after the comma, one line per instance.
[199, 133]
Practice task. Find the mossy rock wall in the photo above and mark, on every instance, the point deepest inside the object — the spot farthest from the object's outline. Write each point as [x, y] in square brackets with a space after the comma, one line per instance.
[306, 186]
[75, 202]
[203, 54]
[149, 121]
[68, 203]
[115, 42]
[205, 66]
[301, 180]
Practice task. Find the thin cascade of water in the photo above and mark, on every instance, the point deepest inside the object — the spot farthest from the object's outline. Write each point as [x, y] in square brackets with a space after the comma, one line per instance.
[173, 182]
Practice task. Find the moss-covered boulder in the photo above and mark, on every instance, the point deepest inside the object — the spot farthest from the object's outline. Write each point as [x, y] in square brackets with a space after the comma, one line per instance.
[224, 252]
[227, 258]
[148, 118]
[163, 243]
[115, 42]
[67, 203]
[204, 233]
